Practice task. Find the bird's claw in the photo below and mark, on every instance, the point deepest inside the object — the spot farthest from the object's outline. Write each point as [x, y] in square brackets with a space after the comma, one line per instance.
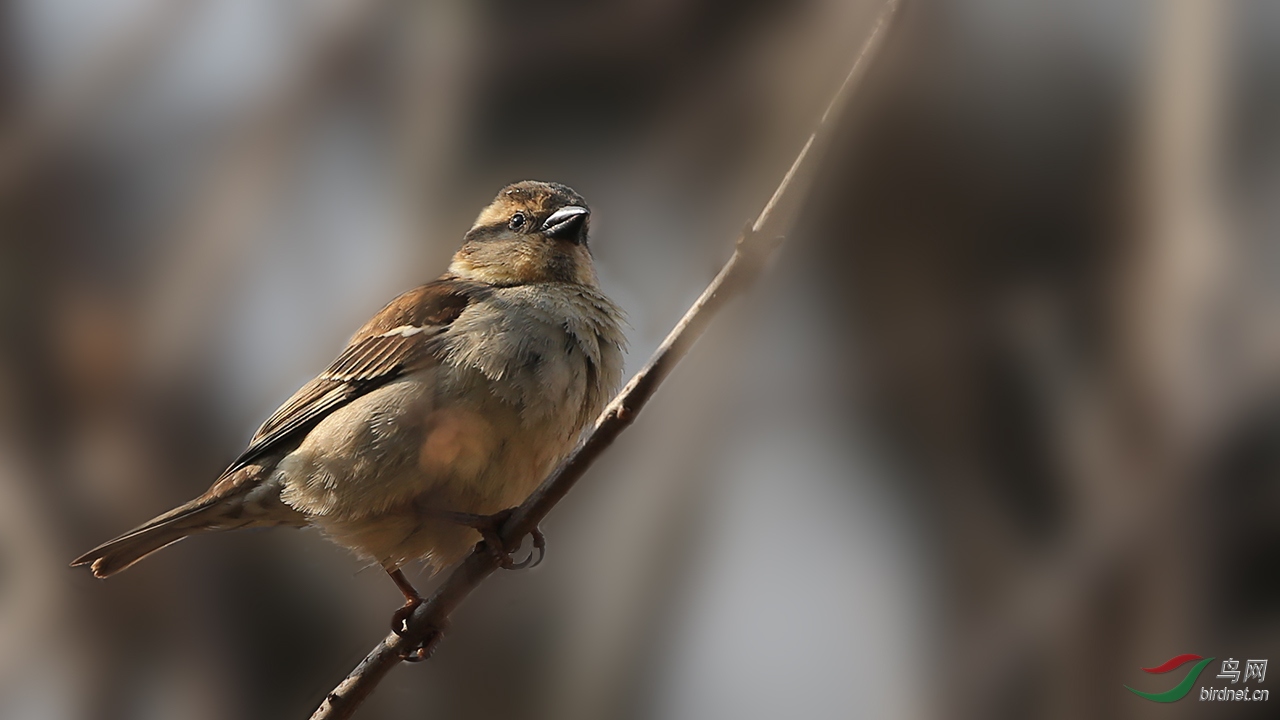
[488, 526]
[400, 619]
[400, 626]
[423, 649]
[539, 547]
[414, 655]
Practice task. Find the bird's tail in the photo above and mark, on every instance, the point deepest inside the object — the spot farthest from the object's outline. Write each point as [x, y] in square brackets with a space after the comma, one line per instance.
[115, 555]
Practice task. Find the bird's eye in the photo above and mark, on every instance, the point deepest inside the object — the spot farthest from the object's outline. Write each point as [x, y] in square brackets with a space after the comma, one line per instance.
[517, 221]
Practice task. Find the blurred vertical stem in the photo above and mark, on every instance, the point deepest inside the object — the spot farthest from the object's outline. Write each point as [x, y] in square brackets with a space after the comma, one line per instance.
[239, 187]
[42, 127]
[753, 249]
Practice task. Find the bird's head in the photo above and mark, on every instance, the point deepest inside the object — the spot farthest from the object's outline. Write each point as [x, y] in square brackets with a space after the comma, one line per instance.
[532, 232]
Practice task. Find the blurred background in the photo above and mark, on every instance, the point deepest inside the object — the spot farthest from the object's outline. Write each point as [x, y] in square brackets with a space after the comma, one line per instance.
[1001, 426]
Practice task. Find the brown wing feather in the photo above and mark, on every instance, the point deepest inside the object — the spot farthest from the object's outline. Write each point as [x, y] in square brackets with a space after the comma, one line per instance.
[397, 340]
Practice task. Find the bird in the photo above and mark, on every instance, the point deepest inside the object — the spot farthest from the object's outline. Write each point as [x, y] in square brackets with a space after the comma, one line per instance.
[443, 412]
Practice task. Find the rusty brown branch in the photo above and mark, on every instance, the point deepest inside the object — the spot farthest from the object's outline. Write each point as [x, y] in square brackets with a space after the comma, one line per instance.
[753, 249]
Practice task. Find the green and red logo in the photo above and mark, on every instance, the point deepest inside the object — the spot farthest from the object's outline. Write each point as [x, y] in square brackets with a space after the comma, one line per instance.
[1179, 691]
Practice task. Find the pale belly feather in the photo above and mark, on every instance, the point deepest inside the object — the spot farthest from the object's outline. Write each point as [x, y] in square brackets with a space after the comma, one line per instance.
[461, 436]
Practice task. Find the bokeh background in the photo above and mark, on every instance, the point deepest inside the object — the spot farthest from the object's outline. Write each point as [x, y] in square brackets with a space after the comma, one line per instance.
[1000, 427]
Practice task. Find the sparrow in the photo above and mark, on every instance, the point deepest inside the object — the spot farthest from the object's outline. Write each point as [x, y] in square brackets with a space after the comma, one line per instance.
[443, 412]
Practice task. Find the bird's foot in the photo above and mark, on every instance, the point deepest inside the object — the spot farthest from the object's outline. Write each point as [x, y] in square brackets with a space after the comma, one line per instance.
[423, 649]
[400, 619]
[412, 599]
[488, 527]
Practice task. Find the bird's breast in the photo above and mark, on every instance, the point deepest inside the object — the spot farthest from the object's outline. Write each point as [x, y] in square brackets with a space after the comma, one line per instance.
[551, 351]
[517, 378]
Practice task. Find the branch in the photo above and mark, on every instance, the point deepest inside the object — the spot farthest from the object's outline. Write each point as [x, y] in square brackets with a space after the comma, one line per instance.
[754, 247]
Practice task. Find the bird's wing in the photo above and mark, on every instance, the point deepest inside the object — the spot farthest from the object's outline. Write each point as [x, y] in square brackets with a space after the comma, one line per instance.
[399, 339]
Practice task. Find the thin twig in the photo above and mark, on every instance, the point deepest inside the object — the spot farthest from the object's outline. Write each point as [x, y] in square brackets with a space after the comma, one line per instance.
[754, 247]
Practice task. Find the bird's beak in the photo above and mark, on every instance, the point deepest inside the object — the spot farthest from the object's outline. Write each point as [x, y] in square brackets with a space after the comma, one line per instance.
[566, 224]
